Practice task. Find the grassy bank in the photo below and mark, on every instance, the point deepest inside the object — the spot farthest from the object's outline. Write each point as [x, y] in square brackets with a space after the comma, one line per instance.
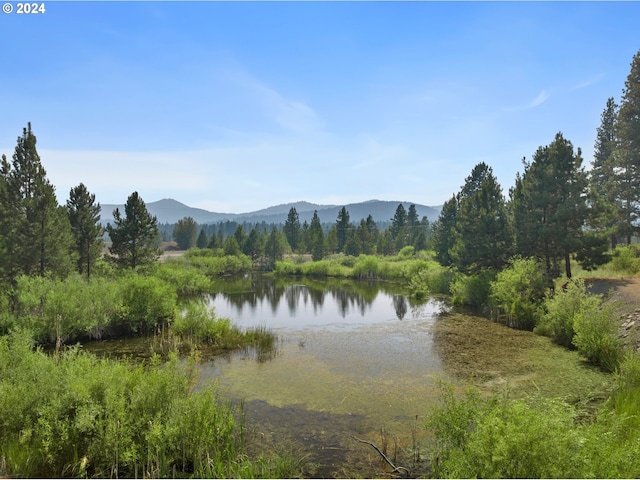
[73, 415]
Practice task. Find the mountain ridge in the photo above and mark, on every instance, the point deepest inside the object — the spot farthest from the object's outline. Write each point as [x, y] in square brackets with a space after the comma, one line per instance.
[168, 210]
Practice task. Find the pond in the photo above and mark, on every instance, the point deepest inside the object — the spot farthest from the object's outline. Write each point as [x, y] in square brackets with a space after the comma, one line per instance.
[361, 361]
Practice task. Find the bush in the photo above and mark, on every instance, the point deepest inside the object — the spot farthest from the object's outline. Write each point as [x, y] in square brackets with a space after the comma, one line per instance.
[562, 308]
[625, 259]
[199, 324]
[147, 302]
[67, 310]
[431, 278]
[367, 266]
[472, 290]
[596, 335]
[503, 438]
[185, 279]
[77, 416]
[406, 252]
[518, 292]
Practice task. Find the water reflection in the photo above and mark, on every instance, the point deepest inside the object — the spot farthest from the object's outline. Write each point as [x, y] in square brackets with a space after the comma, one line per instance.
[280, 303]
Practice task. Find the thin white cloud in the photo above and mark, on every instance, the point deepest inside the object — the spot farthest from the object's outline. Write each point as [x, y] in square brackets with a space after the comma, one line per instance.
[542, 97]
[291, 114]
[587, 83]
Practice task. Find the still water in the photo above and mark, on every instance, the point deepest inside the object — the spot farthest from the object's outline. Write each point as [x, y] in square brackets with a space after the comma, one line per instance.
[354, 360]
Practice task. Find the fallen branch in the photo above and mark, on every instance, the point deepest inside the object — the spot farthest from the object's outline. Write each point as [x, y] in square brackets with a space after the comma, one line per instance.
[395, 469]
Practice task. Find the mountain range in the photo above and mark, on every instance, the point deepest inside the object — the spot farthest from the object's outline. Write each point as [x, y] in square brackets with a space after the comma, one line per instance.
[170, 211]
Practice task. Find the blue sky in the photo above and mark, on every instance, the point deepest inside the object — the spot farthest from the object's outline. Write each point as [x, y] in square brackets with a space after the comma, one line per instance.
[237, 106]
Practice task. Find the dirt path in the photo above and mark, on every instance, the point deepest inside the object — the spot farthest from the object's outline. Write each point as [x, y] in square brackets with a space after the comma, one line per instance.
[625, 292]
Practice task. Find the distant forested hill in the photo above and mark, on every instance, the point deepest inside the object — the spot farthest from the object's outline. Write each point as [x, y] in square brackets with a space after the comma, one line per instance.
[170, 211]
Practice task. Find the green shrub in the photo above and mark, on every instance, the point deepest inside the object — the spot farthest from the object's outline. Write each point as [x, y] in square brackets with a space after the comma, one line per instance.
[625, 259]
[185, 279]
[596, 335]
[472, 290]
[561, 309]
[147, 302]
[518, 292]
[77, 416]
[366, 266]
[67, 310]
[498, 437]
[406, 252]
[431, 278]
[199, 324]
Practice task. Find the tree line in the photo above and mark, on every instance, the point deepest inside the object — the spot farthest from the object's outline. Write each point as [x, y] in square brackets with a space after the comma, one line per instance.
[556, 211]
[40, 237]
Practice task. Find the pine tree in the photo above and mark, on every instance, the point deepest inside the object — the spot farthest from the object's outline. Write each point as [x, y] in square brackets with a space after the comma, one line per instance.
[626, 161]
[292, 229]
[444, 231]
[549, 206]
[602, 199]
[133, 236]
[254, 247]
[315, 238]
[275, 246]
[84, 217]
[184, 233]
[342, 228]
[482, 231]
[41, 234]
[202, 241]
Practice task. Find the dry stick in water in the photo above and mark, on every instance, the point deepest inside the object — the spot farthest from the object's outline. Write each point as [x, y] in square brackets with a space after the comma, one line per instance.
[395, 469]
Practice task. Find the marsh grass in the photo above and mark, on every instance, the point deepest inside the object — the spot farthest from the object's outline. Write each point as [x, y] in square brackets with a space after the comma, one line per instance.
[198, 326]
[76, 415]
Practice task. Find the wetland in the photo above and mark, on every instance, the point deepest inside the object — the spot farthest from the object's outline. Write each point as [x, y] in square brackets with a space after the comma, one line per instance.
[358, 360]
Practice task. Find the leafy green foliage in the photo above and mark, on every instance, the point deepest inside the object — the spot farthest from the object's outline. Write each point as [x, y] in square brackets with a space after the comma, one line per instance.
[518, 291]
[501, 437]
[77, 416]
[625, 259]
[184, 278]
[562, 307]
[200, 324]
[596, 335]
[472, 290]
[66, 310]
[147, 302]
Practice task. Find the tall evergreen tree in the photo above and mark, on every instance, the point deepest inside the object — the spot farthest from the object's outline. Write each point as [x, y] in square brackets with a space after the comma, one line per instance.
[627, 153]
[315, 238]
[549, 206]
[184, 233]
[254, 247]
[602, 198]
[84, 217]
[482, 231]
[443, 229]
[292, 229]
[9, 219]
[398, 222]
[134, 235]
[343, 227]
[202, 240]
[275, 246]
[42, 234]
